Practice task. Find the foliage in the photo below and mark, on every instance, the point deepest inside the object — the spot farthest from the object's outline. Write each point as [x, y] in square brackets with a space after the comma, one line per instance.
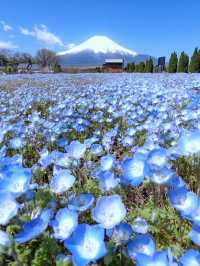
[140, 67]
[195, 62]
[10, 69]
[57, 68]
[149, 65]
[173, 62]
[131, 67]
[183, 63]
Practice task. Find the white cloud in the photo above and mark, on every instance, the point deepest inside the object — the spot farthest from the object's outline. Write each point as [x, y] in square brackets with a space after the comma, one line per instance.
[70, 45]
[25, 31]
[7, 45]
[6, 27]
[42, 33]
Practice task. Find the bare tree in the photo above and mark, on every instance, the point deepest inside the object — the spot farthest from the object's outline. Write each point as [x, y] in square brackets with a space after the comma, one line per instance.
[5, 56]
[46, 58]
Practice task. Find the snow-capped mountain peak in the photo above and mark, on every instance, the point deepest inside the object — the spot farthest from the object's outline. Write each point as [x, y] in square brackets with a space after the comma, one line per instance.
[99, 44]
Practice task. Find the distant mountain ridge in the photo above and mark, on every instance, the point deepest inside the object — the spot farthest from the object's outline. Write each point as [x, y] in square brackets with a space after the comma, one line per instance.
[95, 50]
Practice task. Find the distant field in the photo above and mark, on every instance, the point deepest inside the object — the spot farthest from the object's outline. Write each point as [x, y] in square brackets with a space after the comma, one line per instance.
[99, 168]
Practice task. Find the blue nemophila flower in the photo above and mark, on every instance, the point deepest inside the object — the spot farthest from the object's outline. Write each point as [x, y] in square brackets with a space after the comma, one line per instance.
[127, 141]
[81, 202]
[29, 195]
[64, 224]
[189, 143]
[63, 160]
[56, 157]
[76, 150]
[16, 180]
[61, 181]
[195, 215]
[90, 141]
[121, 233]
[141, 244]
[159, 258]
[96, 149]
[194, 235]
[109, 211]
[35, 227]
[176, 182]
[5, 239]
[62, 143]
[86, 244]
[45, 158]
[157, 159]
[183, 200]
[140, 226]
[8, 207]
[107, 181]
[16, 143]
[190, 258]
[3, 151]
[134, 170]
[161, 176]
[107, 162]
[131, 131]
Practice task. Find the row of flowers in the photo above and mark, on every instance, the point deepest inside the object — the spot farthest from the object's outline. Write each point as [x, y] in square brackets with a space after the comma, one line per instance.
[149, 162]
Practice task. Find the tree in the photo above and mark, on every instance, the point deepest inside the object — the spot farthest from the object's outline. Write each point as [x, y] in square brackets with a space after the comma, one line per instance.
[137, 68]
[149, 65]
[183, 63]
[10, 69]
[46, 58]
[141, 67]
[173, 62]
[195, 62]
[57, 68]
[3, 58]
[131, 67]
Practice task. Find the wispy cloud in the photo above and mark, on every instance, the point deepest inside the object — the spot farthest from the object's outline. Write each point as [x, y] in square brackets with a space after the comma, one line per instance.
[5, 26]
[7, 45]
[70, 45]
[42, 33]
[25, 31]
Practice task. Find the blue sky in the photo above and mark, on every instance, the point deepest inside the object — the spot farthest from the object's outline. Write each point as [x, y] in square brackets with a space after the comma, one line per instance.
[155, 27]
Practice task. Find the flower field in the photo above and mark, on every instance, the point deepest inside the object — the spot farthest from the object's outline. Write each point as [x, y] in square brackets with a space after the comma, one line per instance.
[100, 169]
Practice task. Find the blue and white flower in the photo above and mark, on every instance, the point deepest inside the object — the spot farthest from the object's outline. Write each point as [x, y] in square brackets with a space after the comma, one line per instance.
[109, 211]
[62, 181]
[35, 227]
[81, 202]
[190, 257]
[86, 244]
[141, 244]
[64, 224]
[8, 207]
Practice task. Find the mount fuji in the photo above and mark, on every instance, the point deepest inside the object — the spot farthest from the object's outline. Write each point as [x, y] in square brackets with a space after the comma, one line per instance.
[95, 50]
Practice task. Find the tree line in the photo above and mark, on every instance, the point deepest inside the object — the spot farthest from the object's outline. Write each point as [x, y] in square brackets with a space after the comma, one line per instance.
[181, 64]
[44, 57]
[142, 67]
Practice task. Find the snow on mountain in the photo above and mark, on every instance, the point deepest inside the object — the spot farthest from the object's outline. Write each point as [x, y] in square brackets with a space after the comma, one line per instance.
[99, 44]
[95, 51]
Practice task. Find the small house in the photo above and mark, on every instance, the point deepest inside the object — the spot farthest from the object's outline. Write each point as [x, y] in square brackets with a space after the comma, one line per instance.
[113, 65]
[23, 68]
